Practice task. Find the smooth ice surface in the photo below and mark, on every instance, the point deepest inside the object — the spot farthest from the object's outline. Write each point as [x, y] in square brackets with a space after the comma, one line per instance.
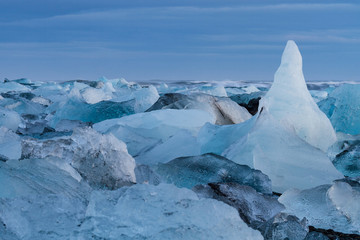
[10, 144]
[13, 87]
[328, 206]
[290, 102]
[102, 160]
[343, 108]
[191, 171]
[183, 143]
[145, 98]
[277, 151]
[9, 119]
[161, 212]
[143, 131]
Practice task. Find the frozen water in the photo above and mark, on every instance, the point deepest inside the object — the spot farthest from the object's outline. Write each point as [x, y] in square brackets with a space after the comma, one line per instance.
[223, 109]
[328, 206]
[284, 226]
[144, 174]
[95, 95]
[74, 109]
[170, 131]
[102, 160]
[343, 109]
[290, 102]
[253, 207]
[77, 182]
[12, 87]
[160, 212]
[279, 153]
[9, 119]
[145, 98]
[182, 143]
[40, 201]
[345, 155]
[10, 144]
[191, 171]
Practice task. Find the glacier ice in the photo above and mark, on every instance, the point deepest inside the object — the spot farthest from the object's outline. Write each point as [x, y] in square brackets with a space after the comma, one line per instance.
[143, 131]
[345, 155]
[9, 119]
[284, 226]
[39, 200]
[253, 207]
[181, 144]
[223, 109]
[83, 145]
[194, 170]
[100, 159]
[333, 206]
[13, 87]
[289, 101]
[75, 109]
[279, 153]
[10, 144]
[343, 109]
[160, 212]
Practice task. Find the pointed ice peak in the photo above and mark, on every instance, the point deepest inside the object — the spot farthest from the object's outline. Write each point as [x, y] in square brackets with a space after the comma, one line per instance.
[289, 100]
[289, 75]
[291, 56]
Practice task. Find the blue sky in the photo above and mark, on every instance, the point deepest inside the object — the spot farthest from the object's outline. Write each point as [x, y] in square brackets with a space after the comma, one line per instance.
[176, 40]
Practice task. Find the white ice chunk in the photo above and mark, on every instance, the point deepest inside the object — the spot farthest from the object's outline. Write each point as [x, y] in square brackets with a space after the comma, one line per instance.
[289, 101]
[161, 123]
[13, 87]
[10, 144]
[9, 119]
[276, 150]
[181, 144]
[102, 160]
[327, 206]
[145, 98]
[94, 95]
[161, 212]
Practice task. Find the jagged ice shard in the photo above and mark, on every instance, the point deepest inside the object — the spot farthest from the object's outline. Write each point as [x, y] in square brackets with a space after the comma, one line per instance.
[288, 136]
[289, 101]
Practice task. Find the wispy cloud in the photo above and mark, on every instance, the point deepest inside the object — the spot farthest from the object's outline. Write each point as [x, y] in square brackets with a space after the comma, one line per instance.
[175, 11]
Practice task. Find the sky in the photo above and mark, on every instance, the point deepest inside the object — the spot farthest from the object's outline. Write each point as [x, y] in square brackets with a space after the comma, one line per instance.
[203, 40]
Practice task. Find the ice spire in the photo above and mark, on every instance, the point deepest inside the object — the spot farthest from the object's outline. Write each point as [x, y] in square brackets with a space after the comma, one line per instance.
[289, 101]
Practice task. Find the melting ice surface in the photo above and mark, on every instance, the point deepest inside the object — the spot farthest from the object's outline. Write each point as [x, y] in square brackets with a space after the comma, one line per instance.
[111, 159]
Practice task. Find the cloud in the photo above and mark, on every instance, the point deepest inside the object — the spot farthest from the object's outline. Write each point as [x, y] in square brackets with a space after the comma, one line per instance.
[176, 11]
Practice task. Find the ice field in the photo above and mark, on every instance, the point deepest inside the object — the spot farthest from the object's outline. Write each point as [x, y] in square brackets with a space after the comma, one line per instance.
[112, 159]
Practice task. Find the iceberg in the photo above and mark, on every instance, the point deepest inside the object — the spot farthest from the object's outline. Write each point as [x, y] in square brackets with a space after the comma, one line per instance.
[40, 201]
[224, 110]
[102, 160]
[333, 206]
[345, 155]
[282, 143]
[190, 171]
[343, 109]
[9, 119]
[278, 152]
[181, 144]
[143, 131]
[253, 207]
[160, 212]
[289, 101]
[13, 87]
[10, 145]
